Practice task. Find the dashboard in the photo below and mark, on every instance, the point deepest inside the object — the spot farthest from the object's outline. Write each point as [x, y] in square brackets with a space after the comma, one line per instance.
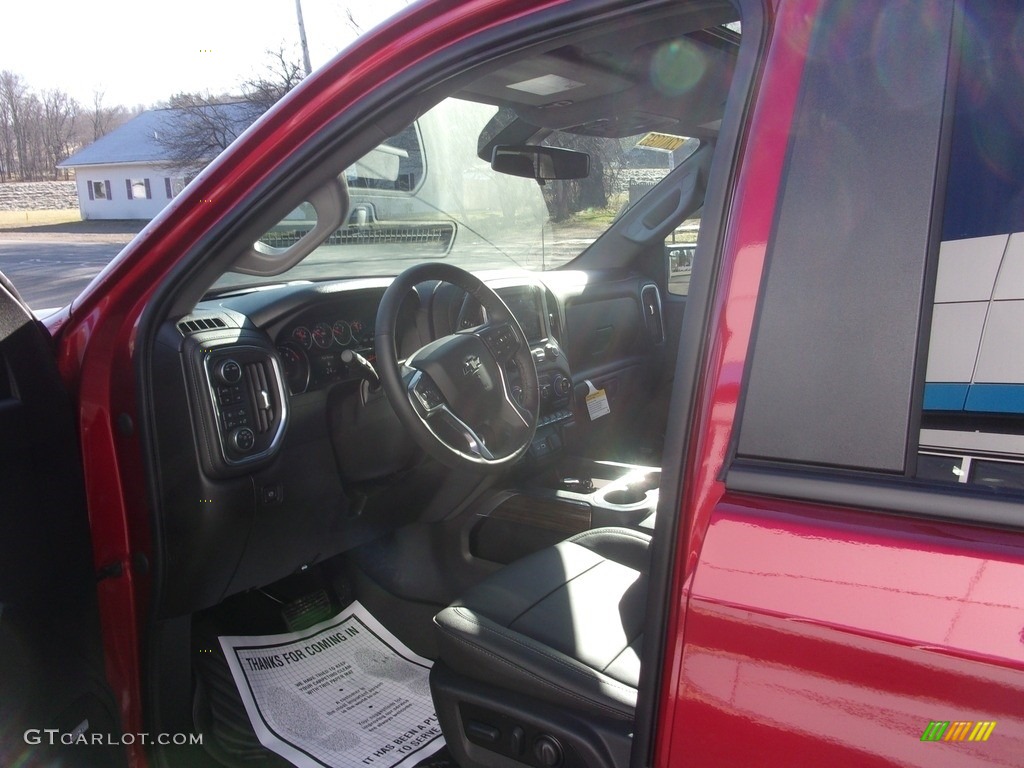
[316, 345]
[265, 413]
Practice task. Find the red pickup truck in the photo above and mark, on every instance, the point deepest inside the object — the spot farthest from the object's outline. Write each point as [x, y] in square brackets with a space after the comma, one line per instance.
[652, 368]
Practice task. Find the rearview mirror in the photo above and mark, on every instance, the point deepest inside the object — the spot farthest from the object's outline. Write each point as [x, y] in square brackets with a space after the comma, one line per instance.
[540, 163]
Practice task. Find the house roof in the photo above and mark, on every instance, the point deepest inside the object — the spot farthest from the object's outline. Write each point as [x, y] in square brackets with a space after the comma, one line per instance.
[136, 140]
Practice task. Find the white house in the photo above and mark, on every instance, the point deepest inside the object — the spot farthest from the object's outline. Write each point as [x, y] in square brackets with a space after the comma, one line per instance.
[127, 174]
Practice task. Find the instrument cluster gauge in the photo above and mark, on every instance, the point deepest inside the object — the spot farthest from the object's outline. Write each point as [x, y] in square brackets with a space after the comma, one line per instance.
[323, 335]
[343, 333]
[303, 337]
[361, 333]
[296, 366]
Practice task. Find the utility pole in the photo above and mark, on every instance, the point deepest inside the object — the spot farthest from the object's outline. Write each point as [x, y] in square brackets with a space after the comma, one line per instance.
[302, 37]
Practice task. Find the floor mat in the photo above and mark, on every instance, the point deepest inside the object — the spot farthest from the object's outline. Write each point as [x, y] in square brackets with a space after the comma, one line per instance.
[342, 693]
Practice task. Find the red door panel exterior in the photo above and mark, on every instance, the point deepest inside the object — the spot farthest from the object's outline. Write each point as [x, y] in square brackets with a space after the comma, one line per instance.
[807, 635]
[845, 634]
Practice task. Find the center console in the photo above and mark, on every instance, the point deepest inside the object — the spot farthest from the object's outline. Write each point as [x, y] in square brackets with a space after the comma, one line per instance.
[575, 496]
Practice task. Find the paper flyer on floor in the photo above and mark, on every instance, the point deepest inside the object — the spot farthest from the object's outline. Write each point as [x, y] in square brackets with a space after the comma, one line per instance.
[345, 692]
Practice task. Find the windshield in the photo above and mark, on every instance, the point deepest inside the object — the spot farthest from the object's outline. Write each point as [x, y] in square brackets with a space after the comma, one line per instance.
[426, 194]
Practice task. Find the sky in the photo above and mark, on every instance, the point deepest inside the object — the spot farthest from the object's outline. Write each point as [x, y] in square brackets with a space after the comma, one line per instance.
[140, 52]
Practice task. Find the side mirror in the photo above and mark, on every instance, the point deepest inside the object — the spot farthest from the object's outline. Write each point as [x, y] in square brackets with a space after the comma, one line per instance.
[540, 163]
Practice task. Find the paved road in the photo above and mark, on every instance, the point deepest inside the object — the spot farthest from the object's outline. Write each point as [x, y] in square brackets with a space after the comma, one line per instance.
[49, 270]
[50, 273]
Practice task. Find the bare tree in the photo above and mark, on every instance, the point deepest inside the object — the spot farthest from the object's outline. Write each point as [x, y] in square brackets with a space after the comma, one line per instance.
[37, 132]
[201, 126]
[104, 119]
[7, 143]
[33, 121]
[279, 76]
[354, 25]
[60, 116]
[13, 93]
[564, 198]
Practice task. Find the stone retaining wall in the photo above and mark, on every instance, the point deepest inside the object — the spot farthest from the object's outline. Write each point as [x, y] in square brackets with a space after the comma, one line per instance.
[38, 196]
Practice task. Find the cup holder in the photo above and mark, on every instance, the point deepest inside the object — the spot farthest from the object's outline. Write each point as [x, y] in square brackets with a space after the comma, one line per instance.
[633, 489]
[625, 496]
[648, 482]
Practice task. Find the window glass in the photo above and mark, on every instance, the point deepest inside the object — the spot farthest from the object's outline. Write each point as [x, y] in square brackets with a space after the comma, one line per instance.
[974, 382]
[940, 469]
[1001, 475]
[680, 248]
[431, 191]
[454, 206]
[395, 165]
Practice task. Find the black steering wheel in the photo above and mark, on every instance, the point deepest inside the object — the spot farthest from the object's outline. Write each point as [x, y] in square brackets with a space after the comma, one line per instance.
[454, 395]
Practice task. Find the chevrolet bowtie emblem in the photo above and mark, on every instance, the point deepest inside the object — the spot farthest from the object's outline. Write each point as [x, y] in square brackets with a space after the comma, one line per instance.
[470, 365]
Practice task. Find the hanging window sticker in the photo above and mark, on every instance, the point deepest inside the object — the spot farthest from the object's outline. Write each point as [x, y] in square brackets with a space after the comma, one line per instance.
[597, 402]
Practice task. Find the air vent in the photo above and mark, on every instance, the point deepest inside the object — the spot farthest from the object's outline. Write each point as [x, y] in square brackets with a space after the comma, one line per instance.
[554, 324]
[261, 397]
[197, 324]
[650, 299]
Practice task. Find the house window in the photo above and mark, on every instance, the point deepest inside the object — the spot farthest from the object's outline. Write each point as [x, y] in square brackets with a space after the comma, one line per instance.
[99, 190]
[174, 186]
[138, 189]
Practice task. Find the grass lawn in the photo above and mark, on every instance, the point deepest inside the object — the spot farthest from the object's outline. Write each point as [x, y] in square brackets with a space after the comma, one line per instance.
[13, 219]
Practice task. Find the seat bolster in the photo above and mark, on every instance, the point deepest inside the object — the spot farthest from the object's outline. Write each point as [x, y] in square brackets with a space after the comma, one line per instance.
[473, 645]
[623, 545]
[516, 588]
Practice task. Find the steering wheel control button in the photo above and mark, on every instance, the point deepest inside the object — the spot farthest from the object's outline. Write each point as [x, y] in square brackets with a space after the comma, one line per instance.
[502, 341]
[243, 439]
[428, 394]
[228, 372]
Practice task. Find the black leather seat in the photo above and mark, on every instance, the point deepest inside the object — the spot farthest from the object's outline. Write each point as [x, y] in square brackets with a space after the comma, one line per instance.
[558, 632]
